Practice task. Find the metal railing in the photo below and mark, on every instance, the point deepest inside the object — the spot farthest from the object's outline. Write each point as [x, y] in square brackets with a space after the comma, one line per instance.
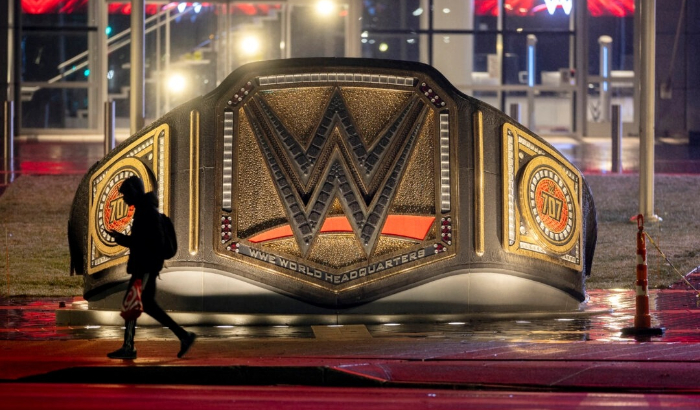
[111, 47]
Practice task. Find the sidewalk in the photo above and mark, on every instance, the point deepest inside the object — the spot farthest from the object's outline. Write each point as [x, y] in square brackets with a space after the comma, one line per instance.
[556, 362]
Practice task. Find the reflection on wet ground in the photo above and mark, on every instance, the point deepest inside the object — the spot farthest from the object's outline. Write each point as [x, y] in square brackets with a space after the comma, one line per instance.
[50, 158]
[594, 155]
[602, 317]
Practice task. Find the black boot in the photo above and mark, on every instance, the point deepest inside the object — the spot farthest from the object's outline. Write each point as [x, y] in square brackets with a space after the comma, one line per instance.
[185, 343]
[127, 350]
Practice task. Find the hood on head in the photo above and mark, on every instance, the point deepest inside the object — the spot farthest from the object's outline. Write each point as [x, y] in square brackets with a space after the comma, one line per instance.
[132, 186]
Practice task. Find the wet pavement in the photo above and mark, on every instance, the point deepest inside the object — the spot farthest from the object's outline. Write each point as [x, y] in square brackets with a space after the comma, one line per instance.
[51, 158]
[601, 318]
[567, 360]
[594, 155]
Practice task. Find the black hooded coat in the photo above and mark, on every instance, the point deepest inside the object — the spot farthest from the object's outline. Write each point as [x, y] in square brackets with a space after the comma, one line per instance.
[145, 242]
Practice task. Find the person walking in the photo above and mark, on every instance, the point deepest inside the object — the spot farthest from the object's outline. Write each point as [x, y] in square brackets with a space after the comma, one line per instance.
[145, 262]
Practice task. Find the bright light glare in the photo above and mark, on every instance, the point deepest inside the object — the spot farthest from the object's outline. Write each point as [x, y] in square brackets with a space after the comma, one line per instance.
[181, 7]
[325, 7]
[417, 12]
[446, 11]
[197, 7]
[176, 83]
[364, 34]
[250, 45]
[383, 47]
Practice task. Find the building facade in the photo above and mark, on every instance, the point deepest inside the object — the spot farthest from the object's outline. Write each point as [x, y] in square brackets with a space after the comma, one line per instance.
[561, 63]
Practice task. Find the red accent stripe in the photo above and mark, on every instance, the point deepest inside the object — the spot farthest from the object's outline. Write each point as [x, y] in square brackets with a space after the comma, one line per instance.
[408, 226]
[405, 226]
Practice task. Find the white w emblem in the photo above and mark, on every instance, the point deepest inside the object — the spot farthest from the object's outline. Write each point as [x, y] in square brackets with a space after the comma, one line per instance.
[566, 5]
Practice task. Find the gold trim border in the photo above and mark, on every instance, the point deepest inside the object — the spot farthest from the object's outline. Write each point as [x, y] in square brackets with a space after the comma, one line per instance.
[194, 183]
[511, 212]
[479, 241]
[160, 165]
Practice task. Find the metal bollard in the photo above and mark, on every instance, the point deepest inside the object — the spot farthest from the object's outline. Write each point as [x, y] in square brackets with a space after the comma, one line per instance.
[515, 111]
[531, 79]
[605, 43]
[616, 153]
[8, 141]
[110, 138]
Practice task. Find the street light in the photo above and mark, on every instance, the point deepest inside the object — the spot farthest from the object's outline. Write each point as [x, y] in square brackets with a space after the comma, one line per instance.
[325, 7]
[176, 83]
[250, 45]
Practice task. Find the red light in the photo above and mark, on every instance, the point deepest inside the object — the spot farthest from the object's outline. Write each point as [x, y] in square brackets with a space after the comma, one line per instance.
[597, 8]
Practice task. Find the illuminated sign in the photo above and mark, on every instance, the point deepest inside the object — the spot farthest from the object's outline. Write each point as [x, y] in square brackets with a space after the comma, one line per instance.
[552, 5]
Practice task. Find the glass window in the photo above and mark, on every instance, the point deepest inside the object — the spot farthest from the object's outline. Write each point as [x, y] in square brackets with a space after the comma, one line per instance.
[54, 13]
[550, 55]
[620, 28]
[453, 56]
[453, 15]
[537, 15]
[392, 14]
[486, 65]
[404, 47]
[44, 107]
[317, 32]
[44, 55]
[611, 23]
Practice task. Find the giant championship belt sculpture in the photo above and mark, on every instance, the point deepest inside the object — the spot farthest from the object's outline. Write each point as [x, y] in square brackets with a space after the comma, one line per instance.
[341, 187]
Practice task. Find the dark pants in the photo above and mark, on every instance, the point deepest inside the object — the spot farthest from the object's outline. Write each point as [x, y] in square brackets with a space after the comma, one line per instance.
[148, 294]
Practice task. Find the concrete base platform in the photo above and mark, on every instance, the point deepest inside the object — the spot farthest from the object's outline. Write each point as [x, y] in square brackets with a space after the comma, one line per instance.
[197, 293]
[78, 316]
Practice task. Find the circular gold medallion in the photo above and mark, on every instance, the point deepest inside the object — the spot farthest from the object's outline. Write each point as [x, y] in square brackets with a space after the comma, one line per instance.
[549, 205]
[110, 211]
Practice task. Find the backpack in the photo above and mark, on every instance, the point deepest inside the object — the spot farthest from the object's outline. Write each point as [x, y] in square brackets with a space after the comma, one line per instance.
[169, 237]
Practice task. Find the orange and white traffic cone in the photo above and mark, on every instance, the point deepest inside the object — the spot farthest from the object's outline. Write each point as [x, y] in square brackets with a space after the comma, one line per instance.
[642, 319]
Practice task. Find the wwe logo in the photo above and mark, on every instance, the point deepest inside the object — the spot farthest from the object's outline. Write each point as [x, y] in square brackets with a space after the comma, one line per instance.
[566, 5]
[336, 163]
